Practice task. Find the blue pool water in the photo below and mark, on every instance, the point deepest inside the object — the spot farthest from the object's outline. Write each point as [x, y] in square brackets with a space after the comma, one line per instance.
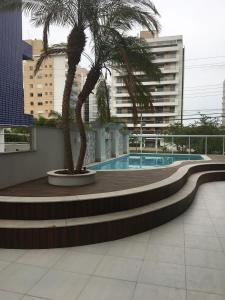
[142, 161]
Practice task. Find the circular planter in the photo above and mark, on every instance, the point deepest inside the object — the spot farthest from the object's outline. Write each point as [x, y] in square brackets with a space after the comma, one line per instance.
[71, 180]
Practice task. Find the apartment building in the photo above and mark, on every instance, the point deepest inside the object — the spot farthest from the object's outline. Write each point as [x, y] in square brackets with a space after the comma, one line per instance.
[167, 94]
[43, 93]
[39, 89]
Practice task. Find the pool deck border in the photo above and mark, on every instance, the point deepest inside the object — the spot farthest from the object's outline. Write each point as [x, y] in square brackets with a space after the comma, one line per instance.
[179, 174]
[146, 208]
[174, 164]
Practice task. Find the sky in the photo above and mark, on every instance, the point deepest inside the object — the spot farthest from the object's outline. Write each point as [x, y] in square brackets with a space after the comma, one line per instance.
[202, 25]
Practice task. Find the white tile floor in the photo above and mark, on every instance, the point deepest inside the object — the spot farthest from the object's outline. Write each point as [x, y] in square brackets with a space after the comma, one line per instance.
[181, 260]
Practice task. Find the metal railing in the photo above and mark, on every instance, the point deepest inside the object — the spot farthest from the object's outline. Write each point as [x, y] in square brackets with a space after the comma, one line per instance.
[178, 144]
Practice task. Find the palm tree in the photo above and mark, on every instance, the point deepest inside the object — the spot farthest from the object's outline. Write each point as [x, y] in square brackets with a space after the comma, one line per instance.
[120, 52]
[101, 18]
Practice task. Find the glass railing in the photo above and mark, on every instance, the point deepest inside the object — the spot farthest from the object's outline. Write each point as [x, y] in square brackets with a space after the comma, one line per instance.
[15, 140]
[178, 144]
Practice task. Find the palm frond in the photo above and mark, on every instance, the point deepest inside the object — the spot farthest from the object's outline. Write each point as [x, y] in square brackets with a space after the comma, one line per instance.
[46, 54]
[46, 31]
[55, 115]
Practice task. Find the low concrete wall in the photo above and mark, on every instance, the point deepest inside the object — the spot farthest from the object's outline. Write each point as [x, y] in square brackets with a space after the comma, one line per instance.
[48, 153]
[16, 147]
[24, 166]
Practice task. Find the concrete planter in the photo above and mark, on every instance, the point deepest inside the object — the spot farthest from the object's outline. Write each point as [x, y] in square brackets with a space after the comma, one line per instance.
[71, 180]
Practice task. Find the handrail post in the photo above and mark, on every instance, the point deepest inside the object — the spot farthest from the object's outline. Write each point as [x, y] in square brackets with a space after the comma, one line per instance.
[156, 145]
[189, 144]
[223, 145]
[206, 145]
[172, 143]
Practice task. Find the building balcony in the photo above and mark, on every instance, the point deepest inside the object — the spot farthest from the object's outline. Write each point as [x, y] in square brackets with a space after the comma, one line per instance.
[170, 70]
[159, 125]
[164, 82]
[146, 115]
[164, 93]
[157, 104]
[146, 83]
[166, 60]
[165, 49]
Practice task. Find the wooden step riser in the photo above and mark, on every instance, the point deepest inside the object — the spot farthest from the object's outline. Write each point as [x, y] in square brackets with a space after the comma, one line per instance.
[98, 206]
[100, 232]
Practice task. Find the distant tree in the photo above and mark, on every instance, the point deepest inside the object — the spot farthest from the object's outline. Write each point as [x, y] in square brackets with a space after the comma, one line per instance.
[204, 126]
[17, 135]
[103, 99]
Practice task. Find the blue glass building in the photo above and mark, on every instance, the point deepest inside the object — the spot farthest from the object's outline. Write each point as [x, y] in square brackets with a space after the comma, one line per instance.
[12, 51]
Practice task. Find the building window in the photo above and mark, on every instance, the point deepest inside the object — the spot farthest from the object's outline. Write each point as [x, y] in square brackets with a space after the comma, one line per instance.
[31, 86]
[159, 120]
[46, 66]
[50, 93]
[46, 93]
[31, 94]
[46, 84]
[46, 75]
[39, 94]
[31, 77]
[50, 84]
[32, 112]
[46, 102]
[40, 103]
[31, 68]
[50, 66]
[50, 75]
[50, 102]
[120, 80]
[31, 103]
[39, 76]
[159, 109]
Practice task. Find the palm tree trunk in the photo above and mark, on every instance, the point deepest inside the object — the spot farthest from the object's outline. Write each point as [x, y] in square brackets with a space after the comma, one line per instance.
[92, 79]
[76, 44]
[107, 101]
[68, 155]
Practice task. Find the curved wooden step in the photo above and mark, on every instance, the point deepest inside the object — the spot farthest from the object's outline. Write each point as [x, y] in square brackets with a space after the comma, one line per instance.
[51, 208]
[101, 228]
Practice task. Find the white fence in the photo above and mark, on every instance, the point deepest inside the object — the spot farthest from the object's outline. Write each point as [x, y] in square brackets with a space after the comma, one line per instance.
[183, 144]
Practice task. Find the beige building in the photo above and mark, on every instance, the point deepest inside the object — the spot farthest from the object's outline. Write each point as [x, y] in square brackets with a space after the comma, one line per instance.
[39, 89]
[43, 93]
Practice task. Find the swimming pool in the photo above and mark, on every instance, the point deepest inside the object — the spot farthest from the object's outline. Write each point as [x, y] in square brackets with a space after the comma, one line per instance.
[143, 161]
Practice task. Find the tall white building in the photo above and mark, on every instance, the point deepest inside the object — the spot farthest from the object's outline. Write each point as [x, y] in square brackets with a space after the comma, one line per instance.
[93, 107]
[167, 94]
[223, 110]
[60, 68]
